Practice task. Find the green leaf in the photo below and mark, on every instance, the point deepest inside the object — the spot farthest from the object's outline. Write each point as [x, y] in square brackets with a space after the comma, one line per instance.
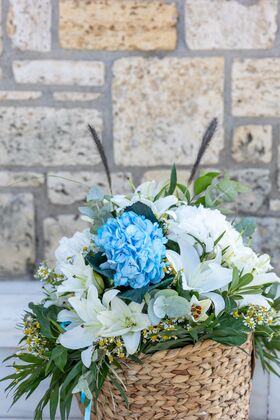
[203, 182]
[185, 191]
[95, 194]
[44, 316]
[95, 260]
[245, 279]
[29, 358]
[73, 374]
[103, 373]
[142, 210]
[173, 180]
[166, 345]
[121, 389]
[87, 211]
[235, 279]
[231, 188]
[230, 340]
[59, 356]
[246, 227]
[201, 201]
[54, 398]
[137, 295]
[272, 292]
[219, 238]
[135, 359]
[173, 245]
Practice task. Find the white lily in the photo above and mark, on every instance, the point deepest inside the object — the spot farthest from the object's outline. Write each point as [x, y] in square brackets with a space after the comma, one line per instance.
[146, 194]
[126, 321]
[264, 278]
[198, 309]
[217, 300]
[88, 330]
[79, 276]
[204, 276]
[70, 262]
[256, 299]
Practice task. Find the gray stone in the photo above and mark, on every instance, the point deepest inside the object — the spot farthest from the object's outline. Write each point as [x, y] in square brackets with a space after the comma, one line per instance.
[59, 72]
[21, 179]
[47, 136]
[252, 143]
[29, 24]
[255, 87]
[62, 190]
[162, 107]
[57, 227]
[266, 239]
[223, 24]
[259, 182]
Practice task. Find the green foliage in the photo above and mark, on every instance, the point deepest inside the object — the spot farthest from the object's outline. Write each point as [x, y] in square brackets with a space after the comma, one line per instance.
[246, 227]
[173, 180]
[167, 303]
[137, 295]
[183, 193]
[95, 194]
[142, 209]
[228, 331]
[95, 260]
[46, 317]
[59, 357]
[180, 190]
[239, 282]
[213, 190]
[204, 181]
[173, 245]
[98, 207]
[267, 346]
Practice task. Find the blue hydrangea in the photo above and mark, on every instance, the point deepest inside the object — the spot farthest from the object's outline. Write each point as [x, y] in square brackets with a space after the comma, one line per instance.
[135, 249]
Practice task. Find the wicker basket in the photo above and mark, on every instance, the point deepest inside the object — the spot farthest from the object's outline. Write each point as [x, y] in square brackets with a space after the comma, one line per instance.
[202, 381]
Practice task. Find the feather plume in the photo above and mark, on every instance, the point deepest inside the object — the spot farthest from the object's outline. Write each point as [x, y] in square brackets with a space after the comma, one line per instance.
[206, 139]
[102, 154]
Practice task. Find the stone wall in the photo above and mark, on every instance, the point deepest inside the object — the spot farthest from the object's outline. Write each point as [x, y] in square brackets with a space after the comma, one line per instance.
[149, 75]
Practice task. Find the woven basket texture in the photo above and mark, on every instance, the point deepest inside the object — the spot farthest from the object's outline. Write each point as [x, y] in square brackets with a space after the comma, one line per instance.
[206, 380]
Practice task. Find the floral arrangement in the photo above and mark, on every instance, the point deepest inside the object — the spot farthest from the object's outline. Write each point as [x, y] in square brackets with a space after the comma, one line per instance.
[159, 268]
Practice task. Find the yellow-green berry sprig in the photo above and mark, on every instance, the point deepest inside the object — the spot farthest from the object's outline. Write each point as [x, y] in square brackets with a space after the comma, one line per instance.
[35, 342]
[48, 275]
[156, 333]
[113, 347]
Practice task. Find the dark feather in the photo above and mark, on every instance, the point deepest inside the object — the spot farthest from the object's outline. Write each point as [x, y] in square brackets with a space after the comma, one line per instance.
[102, 154]
[208, 135]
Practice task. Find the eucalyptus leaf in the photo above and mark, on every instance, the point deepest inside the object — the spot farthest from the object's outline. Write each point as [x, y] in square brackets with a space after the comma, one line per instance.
[95, 194]
[87, 211]
[246, 227]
